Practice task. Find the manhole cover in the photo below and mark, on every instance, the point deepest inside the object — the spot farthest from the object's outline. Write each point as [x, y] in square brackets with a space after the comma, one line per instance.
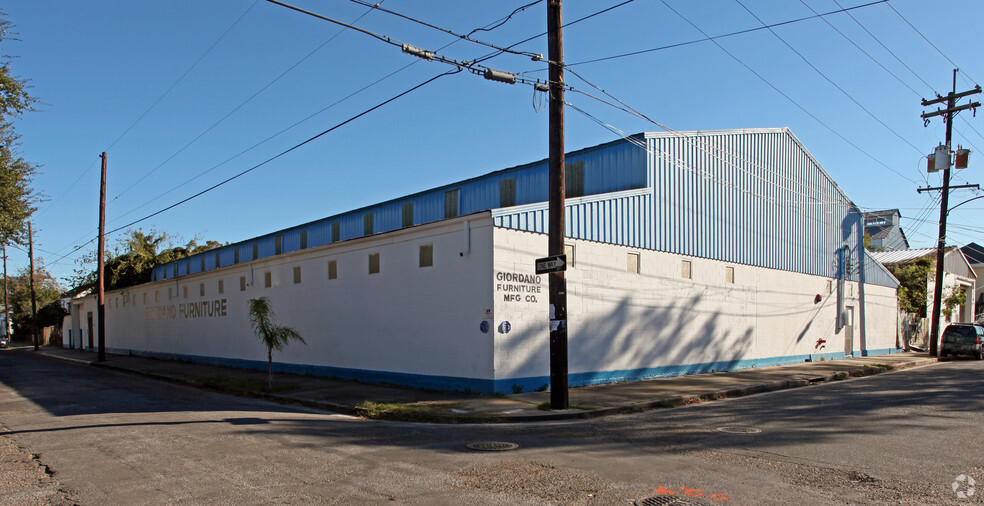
[663, 500]
[492, 446]
[736, 429]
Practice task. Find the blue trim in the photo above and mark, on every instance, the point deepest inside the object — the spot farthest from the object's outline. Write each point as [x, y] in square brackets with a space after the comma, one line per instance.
[451, 383]
[882, 351]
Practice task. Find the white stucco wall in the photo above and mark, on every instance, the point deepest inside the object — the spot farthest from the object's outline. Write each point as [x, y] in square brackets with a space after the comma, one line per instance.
[406, 319]
[654, 323]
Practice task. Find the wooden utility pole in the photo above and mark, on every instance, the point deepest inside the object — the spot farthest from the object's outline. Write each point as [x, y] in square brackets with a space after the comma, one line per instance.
[6, 305]
[558, 285]
[101, 302]
[34, 296]
[951, 108]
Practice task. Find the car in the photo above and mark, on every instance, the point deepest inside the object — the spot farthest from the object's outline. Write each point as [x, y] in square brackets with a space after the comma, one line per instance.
[963, 338]
[3, 341]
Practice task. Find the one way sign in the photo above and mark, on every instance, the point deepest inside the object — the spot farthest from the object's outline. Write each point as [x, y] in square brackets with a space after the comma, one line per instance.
[555, 263]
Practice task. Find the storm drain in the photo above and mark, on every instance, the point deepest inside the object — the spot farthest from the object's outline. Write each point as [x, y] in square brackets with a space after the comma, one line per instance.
[492, 446]
[738, 429]
[663, 500]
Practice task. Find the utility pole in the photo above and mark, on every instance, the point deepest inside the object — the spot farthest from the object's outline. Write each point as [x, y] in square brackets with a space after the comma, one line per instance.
[6, 306]
[951, 108]
[101, 302]
[557, 283]
[34, 297]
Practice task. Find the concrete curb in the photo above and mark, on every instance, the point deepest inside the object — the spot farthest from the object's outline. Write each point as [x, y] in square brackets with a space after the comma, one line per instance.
[638, 407]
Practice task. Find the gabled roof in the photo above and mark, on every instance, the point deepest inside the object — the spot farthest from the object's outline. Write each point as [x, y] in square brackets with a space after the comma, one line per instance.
[902, 256]
[974, 253]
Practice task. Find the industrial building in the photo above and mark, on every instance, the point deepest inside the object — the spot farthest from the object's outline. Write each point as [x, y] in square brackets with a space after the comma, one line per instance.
[688, 252]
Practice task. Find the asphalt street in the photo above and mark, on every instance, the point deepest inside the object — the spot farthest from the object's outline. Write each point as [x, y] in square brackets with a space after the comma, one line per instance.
[96, 436]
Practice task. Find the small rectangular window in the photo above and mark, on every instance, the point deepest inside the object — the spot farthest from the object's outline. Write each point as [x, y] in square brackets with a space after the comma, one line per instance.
[632, 263]
[451, 204]
[729, 275]
[850, 290]
[235, 255]
[218, 260]
[427, 255]
[336, 231]
[174, 267]
[685, 270]
[297, 275]
[569, 253]
[256, 250]
[303, 239]
[267, 279]
[507, 192]
[332, 269]
[373, 263]
[145, 297]
[278, 245]
[408, 214]
[367, 224]
[574, 179]
[221, 286]
[830, 287]
[242, 283]
[157, 296]
[170, 293]
[203, 263]
[201, 289]
[185, 292]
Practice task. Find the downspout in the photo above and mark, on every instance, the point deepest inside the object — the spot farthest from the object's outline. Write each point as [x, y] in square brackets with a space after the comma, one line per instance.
[467, 237]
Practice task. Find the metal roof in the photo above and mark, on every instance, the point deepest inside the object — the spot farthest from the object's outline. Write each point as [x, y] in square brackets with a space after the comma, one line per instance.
[902, 256]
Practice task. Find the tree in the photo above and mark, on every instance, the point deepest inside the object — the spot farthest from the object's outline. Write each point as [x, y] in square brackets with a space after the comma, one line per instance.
[274, 337]
[912, 285]
[50, 311]
[17, 200]
[133, 259]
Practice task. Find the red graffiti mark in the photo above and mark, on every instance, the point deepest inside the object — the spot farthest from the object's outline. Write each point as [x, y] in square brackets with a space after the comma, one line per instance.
[692, 492]
[662, 491]
[719, 497]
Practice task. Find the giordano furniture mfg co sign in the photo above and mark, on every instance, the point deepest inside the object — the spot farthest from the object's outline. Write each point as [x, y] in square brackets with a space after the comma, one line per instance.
[516, 287]
[205, 309]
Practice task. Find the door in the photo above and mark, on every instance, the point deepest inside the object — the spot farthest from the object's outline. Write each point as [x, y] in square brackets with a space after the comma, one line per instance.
[849, 331]
[89, 317]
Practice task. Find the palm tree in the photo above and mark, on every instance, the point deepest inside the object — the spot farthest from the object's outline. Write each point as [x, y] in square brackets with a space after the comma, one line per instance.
[275, 337]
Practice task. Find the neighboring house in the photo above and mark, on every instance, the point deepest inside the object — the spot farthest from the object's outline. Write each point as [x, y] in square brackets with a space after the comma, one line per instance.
[885, 231]
[686, 251]
[975, 255]
[957, 274]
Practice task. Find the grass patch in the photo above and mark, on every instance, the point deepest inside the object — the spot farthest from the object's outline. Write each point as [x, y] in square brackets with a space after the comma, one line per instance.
[840, 376]
[417, 412]
[245, 384]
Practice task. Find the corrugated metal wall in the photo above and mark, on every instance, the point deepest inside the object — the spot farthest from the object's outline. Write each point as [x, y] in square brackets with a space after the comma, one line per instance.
[754, 197]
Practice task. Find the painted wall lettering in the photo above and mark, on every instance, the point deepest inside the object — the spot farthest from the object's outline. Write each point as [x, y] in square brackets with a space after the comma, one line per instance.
[204, 309]
[516, 287]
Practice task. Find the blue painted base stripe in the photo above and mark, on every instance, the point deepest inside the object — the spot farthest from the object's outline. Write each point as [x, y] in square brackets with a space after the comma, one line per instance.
[424, 381]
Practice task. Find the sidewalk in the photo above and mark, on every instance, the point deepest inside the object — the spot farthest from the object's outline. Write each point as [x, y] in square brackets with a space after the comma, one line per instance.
[399, 403]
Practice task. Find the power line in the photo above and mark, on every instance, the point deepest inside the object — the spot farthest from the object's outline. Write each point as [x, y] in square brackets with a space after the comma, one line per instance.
[153, 105]
[947, 58]
[829, 80]
[504, 20]
[787, 97]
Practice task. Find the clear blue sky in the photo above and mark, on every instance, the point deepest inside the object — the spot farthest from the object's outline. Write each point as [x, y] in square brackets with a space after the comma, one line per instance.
[99, 66]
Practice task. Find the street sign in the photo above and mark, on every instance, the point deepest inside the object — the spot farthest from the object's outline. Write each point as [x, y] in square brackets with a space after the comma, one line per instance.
[555, 263]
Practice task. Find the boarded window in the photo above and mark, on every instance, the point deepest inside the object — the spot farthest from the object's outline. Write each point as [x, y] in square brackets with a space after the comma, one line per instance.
[408, 214]
[201, 289]
[507, 192]
[184, 292]
[451, 204]
[218, 260]
[426, 255]
[170, 293]
[373, 263]
[242, 283]
[367, 224]
[297, 275]
[203, 262]
[574, 179]
[632, 263]
[303, 239]
[830, 287]
[256, 250]
[278, 245]
[569, 253]
[336, 231]
[145, 297]
[729, 274]
[221, 286]
[235, 255]
[685, 269]
[157, 296]
[267, 279]
[332, 269]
